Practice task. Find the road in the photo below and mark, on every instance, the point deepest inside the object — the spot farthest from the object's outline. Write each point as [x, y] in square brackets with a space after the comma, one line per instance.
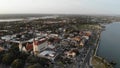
[83, 60]
[86, 62]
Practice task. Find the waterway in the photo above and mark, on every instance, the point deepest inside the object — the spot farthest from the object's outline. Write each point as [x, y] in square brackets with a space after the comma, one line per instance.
[109, 47]
[9, 20]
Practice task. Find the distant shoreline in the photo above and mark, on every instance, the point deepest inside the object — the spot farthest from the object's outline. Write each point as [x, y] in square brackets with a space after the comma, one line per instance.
[10, 20]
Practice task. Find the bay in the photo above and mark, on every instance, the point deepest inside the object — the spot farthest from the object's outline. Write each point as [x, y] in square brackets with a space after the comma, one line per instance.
[109, 47]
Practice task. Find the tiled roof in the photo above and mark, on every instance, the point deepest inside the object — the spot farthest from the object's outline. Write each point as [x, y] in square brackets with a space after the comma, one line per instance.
[29, 46]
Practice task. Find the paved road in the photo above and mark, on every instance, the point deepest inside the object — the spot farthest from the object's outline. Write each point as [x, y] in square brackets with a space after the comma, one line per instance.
[83, 60]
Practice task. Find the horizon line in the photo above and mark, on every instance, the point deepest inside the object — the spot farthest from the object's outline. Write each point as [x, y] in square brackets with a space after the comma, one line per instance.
[59, 14]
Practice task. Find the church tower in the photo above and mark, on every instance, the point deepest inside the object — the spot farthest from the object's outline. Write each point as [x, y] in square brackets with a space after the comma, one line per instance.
[35, 46]
[20, 46]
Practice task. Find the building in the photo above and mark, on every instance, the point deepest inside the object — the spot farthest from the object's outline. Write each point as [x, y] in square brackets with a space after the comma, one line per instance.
[39, 45]
[49, 54]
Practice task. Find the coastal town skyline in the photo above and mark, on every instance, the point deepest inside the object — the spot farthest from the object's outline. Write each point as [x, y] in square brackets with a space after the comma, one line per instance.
[59, 34]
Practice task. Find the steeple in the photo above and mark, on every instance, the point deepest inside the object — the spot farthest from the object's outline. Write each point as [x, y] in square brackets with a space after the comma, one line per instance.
[35, 43]
[20, 46]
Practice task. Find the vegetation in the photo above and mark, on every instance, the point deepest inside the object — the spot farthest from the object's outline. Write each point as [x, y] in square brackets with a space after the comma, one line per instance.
[16, 59]
[7, 58]
[31, 60]
[98, 62]
[37, 65]
[13, 57]
[17, 63]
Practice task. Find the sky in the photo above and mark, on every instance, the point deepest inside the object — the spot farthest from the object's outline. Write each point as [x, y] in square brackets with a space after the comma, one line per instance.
[60, 6]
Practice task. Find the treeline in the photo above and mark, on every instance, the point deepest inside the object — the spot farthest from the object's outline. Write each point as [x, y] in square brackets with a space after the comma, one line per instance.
[15, 59]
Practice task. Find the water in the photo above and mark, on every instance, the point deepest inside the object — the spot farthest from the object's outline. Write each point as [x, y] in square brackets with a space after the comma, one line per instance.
[8, 20]
[20, 17]
[109, 47]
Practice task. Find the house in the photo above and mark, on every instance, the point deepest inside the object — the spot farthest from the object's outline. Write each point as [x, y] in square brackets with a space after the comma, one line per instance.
[82, 43]
[6, 38]
[84, 40]
[1, 49]
[70, 54]
[85, 37]
[50, 45]
[88, 33]
[53, 35]
[77, 38]
[49, 54]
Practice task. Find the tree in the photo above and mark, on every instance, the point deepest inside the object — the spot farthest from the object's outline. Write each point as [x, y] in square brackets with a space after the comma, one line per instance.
[14, 50]
[32, 60]
[7, 58]
[17, 64]
[44, 62]
[23, 56]
[37, 65]
[1, 55]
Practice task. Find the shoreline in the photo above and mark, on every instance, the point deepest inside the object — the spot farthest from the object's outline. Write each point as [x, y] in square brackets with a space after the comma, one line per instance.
[104, 61]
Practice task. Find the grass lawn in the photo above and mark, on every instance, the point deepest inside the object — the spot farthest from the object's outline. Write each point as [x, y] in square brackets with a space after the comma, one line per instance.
[97, 63]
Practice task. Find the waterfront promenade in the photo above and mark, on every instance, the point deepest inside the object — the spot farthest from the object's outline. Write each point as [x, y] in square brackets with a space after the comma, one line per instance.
[96, 61]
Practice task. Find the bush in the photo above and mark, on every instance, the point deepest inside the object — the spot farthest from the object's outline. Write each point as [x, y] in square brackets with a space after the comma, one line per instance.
[37, 65]
[17, 64]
